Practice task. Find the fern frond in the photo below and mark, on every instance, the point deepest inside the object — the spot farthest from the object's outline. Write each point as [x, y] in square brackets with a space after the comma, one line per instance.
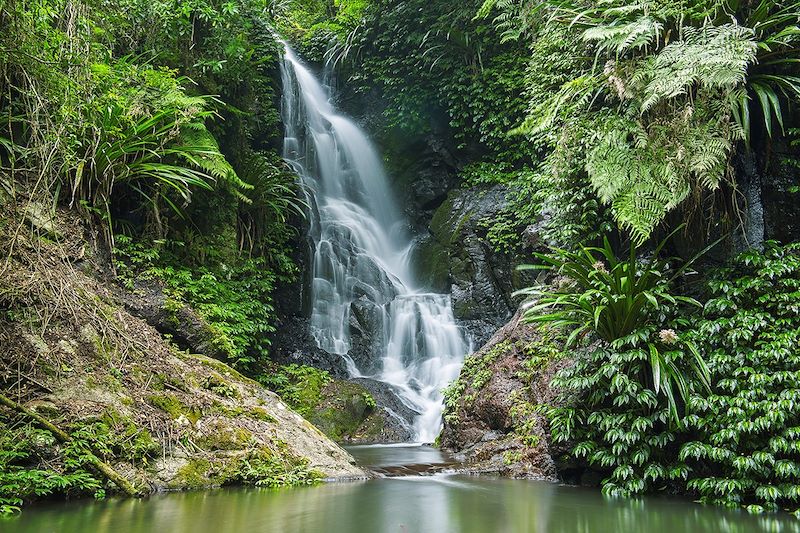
[199, 147]
[620, 38]
[711, 56]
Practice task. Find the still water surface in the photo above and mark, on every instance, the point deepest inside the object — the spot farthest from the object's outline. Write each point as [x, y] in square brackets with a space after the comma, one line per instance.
[439, 503]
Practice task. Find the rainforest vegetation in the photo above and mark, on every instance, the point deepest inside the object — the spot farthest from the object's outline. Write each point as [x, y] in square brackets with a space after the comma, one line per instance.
[630, 135]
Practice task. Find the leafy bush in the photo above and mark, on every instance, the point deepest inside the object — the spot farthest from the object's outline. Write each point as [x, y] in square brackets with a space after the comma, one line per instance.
[147, 135]
[615, 420]
[623, 303]
[738, 442]
[623, 412]
[268, 469]
[745, 435]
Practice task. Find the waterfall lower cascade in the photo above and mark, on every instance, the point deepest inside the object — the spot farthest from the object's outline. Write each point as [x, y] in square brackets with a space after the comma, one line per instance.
[361, 267]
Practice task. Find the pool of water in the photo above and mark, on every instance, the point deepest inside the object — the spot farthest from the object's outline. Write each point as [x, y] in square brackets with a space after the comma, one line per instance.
[438, 503]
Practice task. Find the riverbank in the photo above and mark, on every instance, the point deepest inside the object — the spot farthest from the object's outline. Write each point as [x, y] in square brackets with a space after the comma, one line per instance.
[118, 391]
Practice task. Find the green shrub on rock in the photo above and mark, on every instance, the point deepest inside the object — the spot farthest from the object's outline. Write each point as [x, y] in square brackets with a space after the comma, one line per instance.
[737, 443]
[624, 303]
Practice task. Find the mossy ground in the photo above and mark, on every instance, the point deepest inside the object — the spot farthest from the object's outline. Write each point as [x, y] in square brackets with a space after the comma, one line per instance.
[166, 418]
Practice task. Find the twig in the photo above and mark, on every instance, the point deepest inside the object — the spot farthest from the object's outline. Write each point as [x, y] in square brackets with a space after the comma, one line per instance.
[104, 468]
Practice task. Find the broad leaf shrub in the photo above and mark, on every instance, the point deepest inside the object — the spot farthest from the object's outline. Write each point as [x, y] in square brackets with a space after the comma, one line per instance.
[618, 424]
[735, 444]
[744, 438]
[625, 304]
[628, 387]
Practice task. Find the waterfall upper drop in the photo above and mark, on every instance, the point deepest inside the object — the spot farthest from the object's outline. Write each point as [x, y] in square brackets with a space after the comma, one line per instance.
[361, 254]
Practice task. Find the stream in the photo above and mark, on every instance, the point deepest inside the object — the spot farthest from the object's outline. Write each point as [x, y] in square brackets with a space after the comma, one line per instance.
[416, 493]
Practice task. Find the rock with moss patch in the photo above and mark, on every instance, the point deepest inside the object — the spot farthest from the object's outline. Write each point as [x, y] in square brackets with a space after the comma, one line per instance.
[165, 418]
[491, 422]
[349, 413]
[481, 279]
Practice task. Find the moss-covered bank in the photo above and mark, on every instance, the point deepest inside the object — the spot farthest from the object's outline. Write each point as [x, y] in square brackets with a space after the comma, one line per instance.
[162, 417]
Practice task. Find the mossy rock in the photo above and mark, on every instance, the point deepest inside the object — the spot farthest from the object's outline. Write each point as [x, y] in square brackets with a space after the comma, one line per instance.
[221, 436]
[344, 409]
[441, 226]
[194, 475]
[170, 404]
[256, 413]
[431, 260]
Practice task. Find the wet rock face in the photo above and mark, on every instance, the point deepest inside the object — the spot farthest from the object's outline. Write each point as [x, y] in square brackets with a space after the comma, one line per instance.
[366, 330]
[397, 417]
[294, 344]
[779, 202]
[492, 425]
[458, 258]
[433, 174]
[767, 205]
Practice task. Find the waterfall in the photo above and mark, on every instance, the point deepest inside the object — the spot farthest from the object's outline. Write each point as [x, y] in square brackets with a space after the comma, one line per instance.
[360, 264]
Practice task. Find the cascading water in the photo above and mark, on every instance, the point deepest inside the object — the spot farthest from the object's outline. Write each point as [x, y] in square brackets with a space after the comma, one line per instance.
[361, 254]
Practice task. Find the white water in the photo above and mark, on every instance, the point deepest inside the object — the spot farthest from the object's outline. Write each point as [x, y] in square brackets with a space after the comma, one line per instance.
[361, 253]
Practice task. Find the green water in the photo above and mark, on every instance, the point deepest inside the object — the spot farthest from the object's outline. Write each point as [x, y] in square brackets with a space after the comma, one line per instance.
[437, 503]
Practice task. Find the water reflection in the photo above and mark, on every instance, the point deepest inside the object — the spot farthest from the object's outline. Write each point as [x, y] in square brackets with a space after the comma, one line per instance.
[441, 503]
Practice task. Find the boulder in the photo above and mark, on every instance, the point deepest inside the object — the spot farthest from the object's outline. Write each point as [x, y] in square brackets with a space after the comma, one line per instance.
[366, 335]
[361, 411]
[187, 329]
[294, 344]
[492, 425]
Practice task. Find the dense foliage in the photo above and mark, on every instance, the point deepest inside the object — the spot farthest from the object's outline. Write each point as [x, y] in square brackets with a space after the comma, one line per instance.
[585, 110]
[236, 301]
[733, 443]
[666, 92]
[18, 481]
[743, 447]
[159, 123]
